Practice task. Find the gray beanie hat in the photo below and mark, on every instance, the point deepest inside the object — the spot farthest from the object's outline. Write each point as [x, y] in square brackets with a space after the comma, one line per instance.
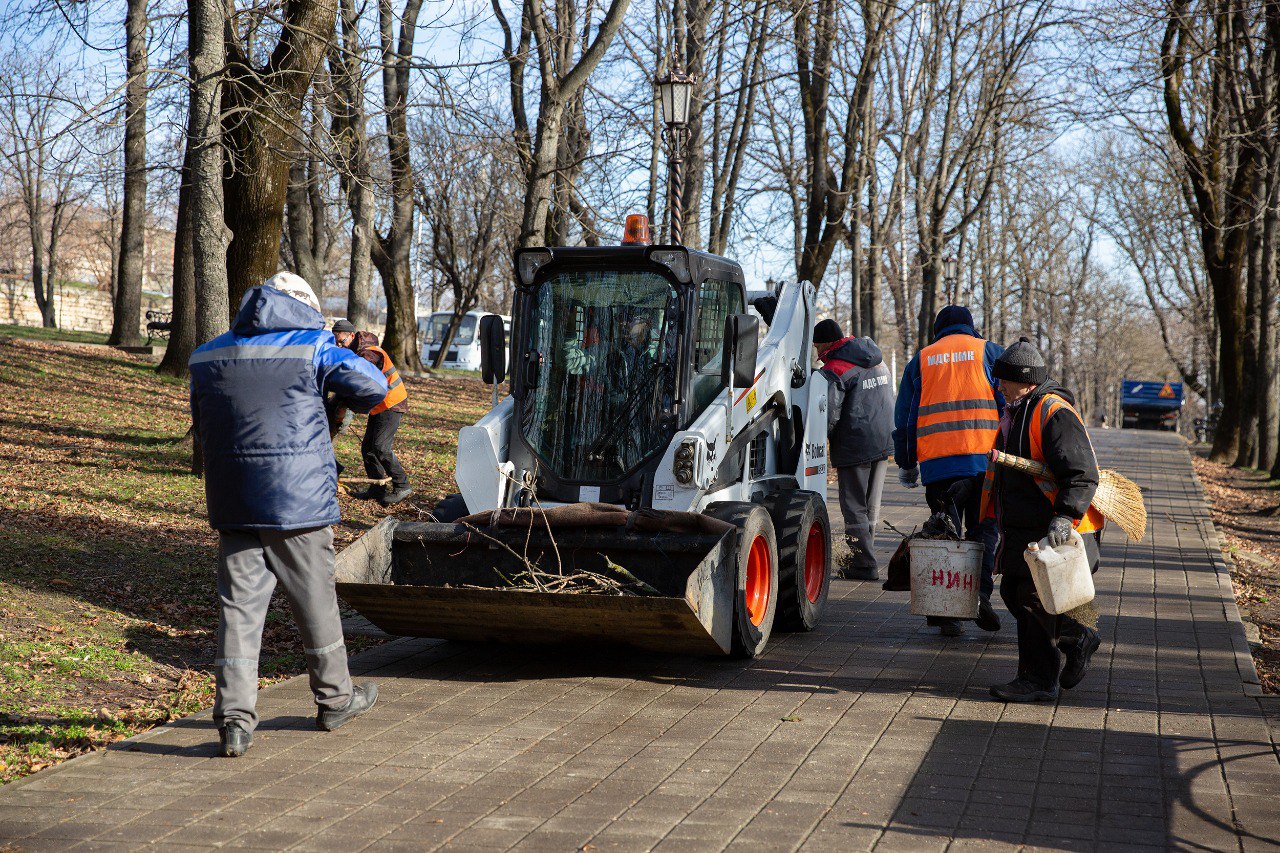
[1021, 362]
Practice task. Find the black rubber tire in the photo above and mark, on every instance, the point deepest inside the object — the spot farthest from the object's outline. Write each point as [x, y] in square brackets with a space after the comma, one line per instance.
[450, 509]
[752, 521]
[794, 514]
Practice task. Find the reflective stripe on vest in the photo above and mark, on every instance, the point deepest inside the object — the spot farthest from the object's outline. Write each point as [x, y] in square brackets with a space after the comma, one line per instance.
[1048, 404]
[957, 414]
[396, 392]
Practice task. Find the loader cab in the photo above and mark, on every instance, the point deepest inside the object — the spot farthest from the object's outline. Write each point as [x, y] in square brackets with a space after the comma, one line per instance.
[614, 350]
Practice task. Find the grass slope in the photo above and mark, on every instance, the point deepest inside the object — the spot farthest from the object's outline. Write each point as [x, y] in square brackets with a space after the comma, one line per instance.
[107, 602]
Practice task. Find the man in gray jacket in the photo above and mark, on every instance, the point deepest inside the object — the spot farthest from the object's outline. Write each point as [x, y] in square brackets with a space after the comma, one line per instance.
[860, 431]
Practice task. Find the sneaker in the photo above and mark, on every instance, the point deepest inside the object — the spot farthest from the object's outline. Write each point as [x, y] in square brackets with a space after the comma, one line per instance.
[950, 627]
[988, 619]
[395, 497]
[235, 740]
[368, 494]
[1078, 652]
[860, 573]
[363, 697]
[1022, 690]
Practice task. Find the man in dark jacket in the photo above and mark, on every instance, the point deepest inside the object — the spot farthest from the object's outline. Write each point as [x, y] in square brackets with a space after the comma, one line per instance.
[860, 430]
[380, 459]
[946, 418]
[1040, 423]
[257, 403]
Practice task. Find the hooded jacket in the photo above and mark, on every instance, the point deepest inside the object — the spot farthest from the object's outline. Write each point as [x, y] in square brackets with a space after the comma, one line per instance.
[1019, 502]
[859, 402]
[907, 413]
[257, 402]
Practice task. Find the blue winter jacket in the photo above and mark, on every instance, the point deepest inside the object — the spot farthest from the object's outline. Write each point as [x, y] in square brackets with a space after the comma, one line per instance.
[904, 435]
[257, 402]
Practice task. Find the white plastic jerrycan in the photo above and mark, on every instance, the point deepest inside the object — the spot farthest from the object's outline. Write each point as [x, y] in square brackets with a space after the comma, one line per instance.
[1061, 574]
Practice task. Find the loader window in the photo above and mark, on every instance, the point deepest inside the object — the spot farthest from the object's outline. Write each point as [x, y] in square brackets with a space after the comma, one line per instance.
[716, 301]
[604, 348]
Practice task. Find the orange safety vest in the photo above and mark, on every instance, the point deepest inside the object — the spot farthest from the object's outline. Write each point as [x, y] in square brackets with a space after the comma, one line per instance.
[396, 392]
[957, 414]
[1045, 408]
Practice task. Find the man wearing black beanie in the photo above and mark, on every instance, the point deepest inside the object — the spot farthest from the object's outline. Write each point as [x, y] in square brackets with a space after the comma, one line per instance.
[1040, 423]
[860, 428]
[946, 418]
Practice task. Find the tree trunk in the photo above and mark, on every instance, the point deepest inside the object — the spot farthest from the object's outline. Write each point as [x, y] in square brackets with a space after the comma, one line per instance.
[182, 328]
[1247, 452]
[127, 304]
[260, 107]
[206, 23]
[352, 141]
[391, 251]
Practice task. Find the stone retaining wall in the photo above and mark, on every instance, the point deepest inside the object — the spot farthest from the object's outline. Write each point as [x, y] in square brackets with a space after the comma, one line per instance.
[76, 307]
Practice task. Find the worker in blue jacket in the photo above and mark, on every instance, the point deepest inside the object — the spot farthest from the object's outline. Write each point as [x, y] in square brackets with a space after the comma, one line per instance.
[257, 403]
[946, 422]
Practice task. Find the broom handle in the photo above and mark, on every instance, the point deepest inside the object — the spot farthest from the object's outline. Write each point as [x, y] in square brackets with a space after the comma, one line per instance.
[1019, 463]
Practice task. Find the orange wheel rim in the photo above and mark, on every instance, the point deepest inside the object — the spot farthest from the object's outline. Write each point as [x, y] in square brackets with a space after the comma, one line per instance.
[815, 562]
[759, 571]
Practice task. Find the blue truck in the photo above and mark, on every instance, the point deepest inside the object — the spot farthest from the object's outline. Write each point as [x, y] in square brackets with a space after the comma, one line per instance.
[1150, 405]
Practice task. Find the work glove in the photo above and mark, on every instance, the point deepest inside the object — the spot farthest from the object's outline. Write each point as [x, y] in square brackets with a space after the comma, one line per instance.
[1060, 530]
[909, 477]
[961, 492]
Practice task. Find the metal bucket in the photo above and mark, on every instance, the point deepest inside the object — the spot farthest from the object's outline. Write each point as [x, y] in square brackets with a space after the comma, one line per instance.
[446, 581]
[945, 576]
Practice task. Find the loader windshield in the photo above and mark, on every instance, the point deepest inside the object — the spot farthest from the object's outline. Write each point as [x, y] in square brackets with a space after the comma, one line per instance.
[604, 345]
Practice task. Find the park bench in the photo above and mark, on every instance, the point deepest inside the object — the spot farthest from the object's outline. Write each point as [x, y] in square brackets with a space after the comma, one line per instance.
[158, 325]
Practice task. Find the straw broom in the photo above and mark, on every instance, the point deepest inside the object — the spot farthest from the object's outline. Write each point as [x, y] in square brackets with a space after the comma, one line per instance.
[1118, 498]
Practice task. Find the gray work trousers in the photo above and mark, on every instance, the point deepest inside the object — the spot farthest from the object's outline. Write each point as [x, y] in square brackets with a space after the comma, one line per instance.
[250, 563]
[860, 489]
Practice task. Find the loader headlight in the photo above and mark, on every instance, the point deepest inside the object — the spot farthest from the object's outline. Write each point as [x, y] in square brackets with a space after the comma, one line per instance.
[676, 260]
[529, 262]
[682, 467]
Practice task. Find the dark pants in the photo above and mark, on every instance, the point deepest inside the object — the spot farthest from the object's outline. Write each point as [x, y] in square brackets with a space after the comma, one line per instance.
[379, 459]
[1039, 631]
[860, 489]
[968, 523]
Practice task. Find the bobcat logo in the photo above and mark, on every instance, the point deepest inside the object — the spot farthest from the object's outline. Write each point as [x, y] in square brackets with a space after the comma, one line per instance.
[711, 450]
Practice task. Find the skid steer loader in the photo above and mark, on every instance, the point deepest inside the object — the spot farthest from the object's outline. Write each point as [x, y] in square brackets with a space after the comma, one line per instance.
[650, 435]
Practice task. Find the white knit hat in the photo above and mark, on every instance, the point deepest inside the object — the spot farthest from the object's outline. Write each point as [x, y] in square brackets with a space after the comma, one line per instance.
[295, 286]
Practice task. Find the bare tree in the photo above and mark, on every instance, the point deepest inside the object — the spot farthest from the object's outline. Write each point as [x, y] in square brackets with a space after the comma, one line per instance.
[391, 249]
[1216, 115]
[38, 157]
[351, 142]
[261, 114]
[127, 302]
[564, 70]
[209, 235]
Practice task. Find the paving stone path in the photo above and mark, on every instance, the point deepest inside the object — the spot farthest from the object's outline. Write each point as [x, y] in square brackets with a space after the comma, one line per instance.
[872, 732]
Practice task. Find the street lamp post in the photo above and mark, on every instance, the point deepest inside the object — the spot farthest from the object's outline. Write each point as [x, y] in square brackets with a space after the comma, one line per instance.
[676, 93]
[950, 272]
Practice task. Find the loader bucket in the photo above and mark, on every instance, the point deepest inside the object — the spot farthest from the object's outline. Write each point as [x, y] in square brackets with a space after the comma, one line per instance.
[452, 581]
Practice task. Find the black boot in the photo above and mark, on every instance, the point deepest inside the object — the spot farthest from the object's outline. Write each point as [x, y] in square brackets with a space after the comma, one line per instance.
[950, 627]
[1021, 690]
[860, 573]
[988, 619]
[363, 696]
[395, 496]
[1079, 651]
[235, 740]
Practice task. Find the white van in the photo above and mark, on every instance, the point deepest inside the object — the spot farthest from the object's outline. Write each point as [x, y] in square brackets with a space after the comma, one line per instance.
[464, 352]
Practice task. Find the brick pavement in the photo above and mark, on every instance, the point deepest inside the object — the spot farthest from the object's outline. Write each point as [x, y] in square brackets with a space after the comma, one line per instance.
[871, 732]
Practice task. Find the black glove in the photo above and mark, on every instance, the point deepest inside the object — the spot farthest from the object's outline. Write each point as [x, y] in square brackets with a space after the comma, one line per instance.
[1060, 530]
[961, 492]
